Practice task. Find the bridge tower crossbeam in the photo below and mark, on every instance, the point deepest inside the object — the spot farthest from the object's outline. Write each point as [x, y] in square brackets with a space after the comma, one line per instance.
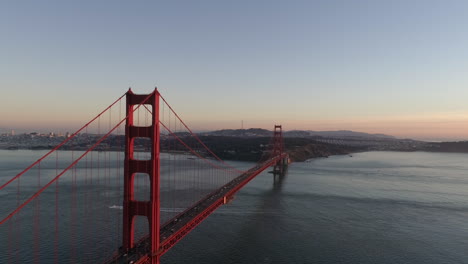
[132, 207]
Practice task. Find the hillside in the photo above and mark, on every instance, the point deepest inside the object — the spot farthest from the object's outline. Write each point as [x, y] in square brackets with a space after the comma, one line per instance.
[252, 148]
[259, 132]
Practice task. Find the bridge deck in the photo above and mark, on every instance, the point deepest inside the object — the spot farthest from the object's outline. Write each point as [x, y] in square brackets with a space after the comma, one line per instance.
[176, 228]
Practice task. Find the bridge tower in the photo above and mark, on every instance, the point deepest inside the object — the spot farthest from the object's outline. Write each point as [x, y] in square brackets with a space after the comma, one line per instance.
[132, 207]
[278, 150]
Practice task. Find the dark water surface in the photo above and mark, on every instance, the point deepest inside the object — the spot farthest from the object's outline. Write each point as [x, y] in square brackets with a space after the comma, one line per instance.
[373, 207]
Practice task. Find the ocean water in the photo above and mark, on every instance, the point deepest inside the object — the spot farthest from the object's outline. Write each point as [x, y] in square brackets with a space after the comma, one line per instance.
[373, 207]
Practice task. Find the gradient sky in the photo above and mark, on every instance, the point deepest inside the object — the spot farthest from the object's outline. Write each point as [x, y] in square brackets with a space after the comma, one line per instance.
[393, 67]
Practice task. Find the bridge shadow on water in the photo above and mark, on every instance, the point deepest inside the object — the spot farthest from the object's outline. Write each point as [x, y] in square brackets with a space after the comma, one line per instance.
[259, 238]
[278, 179]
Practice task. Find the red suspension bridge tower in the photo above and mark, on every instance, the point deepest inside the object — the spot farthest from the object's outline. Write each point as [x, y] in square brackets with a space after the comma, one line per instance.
[131, 207]
[278, 151]
[150, 250]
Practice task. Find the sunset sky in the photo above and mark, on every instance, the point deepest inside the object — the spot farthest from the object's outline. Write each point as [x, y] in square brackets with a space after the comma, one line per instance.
[392, 67]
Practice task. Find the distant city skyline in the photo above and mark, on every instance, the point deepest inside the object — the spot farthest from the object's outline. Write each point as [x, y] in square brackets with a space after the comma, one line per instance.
[392, 67]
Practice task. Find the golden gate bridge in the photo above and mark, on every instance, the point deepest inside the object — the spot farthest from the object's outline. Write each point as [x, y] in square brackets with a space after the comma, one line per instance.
[124, 188]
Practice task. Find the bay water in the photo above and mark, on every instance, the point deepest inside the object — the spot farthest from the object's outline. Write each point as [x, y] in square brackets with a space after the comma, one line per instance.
[371, 207]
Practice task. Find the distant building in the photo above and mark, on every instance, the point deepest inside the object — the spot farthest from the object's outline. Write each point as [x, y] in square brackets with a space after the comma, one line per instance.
[12, 132]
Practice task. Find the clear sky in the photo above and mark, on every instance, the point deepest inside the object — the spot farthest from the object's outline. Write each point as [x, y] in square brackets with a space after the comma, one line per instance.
[393, 67]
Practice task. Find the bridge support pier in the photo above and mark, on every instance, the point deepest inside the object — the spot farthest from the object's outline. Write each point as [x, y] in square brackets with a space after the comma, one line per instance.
[281, 166]
[131, 207]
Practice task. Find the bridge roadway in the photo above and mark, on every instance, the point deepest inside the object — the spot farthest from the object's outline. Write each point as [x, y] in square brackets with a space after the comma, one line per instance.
[176, 228]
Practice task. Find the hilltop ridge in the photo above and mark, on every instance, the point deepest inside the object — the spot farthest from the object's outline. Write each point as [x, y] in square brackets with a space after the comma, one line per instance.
[260, 132]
